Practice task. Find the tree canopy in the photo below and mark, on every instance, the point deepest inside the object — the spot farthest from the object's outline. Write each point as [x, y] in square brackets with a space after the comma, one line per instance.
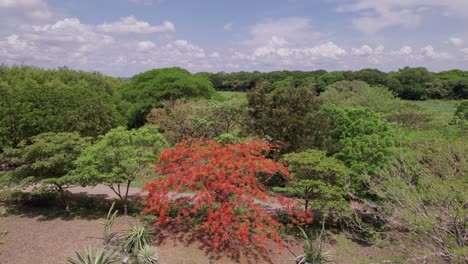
[118, 158]
[34, 101]
[149, 89]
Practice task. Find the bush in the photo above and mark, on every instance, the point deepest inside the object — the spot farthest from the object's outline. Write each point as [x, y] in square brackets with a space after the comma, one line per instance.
[423, 197]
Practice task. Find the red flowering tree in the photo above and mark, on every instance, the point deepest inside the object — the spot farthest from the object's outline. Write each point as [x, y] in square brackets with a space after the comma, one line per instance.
[226, 190]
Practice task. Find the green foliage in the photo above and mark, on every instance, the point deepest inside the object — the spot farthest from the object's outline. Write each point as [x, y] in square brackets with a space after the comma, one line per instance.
[319, 180]
[148, 89]
[36, 101]
[108, 223]
[461, 115]
[136, 238]
[148, 255]
[119, 157]
[313, 251]
[378, 99]
[423, 195]
[89, 257]
[284, 115]
[360, 138]
[181, 120]
[46, 159]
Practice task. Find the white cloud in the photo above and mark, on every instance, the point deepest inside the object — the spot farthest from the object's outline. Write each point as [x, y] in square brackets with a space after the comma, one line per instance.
[145, 46]
[374, 16]
[228, 26]
[464, 50]
[366, 50]
[457, 42]
[429, 52]
[405, 51]
[296, 30]
[131, 24]
[36, 9]
[185, 47]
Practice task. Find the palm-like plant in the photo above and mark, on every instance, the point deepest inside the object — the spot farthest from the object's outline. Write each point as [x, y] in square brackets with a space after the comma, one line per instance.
[313, 252]
[147, 255]
[136, 238]
[101, 257]
[108, 223]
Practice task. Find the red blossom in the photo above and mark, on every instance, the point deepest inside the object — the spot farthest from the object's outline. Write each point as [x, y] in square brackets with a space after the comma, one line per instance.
[225, 187]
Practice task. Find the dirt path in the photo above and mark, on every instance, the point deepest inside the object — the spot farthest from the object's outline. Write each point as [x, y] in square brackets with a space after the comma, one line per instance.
[39, 240]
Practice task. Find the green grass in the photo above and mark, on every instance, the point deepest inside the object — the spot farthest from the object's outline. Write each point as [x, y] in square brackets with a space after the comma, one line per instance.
[441, 109]
[228, 95]
[442, 112]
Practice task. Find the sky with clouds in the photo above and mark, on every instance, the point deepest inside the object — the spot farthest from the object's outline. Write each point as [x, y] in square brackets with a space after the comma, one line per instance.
[125, 37]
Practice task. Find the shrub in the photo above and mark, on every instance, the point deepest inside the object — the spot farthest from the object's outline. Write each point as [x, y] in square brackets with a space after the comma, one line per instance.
[89, 257]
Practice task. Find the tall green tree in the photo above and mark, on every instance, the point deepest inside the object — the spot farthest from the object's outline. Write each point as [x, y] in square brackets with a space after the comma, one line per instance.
[319, 180]
[360, 138]
[119, 158]
[45, 159]
[148, 89]
[284, 115]
[35, 101]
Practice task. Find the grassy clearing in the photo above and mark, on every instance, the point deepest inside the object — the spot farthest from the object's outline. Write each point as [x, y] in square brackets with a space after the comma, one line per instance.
[228, 95]
[442, 109]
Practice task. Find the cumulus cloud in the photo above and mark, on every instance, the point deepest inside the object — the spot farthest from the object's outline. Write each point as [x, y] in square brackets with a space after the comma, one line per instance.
[366, 50]
[456, 42]
[429, 52]
[405, 50]
[131, 24]
[374, 16]
[36, 9]
[145, 46]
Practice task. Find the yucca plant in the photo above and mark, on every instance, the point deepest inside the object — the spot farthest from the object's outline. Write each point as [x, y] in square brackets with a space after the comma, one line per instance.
[101, 257]
[313, 252]
[136, 237]
[108, 223]
[147, 255]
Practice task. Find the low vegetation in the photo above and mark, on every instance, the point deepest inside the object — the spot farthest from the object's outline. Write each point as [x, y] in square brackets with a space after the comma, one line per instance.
[316, 154]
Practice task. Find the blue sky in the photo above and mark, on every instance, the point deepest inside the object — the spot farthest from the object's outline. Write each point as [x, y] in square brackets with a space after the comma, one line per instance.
[124, 37]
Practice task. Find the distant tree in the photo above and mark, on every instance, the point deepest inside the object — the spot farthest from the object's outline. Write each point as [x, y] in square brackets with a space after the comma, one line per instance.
[148, 89]
[370, 76]
[118, 158]
[438, 89]
[284, 115]
[225, 185]
[329, 78]
[45, 159]
[378, 99]
[181, 119]
[35, 101]
[413, 82]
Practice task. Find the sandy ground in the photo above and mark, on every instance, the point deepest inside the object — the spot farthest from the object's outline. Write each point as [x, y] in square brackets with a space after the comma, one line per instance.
[39, 240]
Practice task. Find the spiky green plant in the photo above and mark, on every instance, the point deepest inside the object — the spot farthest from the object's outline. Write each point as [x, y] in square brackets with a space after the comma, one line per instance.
[108, 223]
[101, 257]
[147, 255]
[136, 237]
[313, 252]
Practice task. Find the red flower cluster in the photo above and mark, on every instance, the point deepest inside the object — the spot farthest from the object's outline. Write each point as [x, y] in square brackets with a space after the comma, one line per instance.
[217, 185]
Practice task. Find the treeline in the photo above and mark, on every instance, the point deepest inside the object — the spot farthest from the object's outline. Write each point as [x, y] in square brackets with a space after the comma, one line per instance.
[407, 83]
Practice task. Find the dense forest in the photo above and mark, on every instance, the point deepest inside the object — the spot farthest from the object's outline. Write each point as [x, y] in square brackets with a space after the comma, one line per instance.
[367, 153]
[407, 83]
